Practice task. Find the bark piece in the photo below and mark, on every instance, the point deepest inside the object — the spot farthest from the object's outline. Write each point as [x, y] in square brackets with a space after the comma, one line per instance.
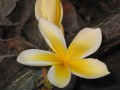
[25, 80]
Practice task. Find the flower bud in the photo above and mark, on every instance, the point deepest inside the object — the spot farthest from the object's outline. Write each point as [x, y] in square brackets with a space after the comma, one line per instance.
[49, 9]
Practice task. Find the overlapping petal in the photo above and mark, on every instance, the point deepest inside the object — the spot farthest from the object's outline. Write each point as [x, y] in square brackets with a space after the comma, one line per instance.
[40, 9]
[59, 75]
[62, 28]
[51, 10]
[61, 17]
[88, 68]
[54, 11]
[34, 57]
[85, 43]
[53, 37]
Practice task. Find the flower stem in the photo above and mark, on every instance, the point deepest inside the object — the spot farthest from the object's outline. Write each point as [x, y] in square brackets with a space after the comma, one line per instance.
[44, 72]
[47, 83]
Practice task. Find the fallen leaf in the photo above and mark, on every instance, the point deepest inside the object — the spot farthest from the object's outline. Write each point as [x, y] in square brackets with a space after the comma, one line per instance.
[6, 7]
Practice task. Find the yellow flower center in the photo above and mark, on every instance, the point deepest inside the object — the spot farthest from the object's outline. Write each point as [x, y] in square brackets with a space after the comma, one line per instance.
[63, 60]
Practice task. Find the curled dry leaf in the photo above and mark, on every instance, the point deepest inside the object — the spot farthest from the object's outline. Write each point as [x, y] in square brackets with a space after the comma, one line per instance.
[6, 7]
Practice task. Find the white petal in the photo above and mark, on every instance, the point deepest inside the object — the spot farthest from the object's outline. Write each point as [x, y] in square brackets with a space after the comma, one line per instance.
[53, 37]
[85, 43]
[59, 75]
[34, 57]
[40, 9]
[88, 68]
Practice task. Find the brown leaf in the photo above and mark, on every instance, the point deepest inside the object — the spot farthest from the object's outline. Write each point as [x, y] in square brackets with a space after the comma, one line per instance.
[6, 7]
[70, 18]
[12, 46]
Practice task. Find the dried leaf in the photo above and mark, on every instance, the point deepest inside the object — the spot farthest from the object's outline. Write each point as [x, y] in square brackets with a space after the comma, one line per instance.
[6, 7]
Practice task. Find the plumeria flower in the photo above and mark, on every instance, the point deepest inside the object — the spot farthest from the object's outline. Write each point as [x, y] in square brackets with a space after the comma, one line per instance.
[66, 61]
[51, 10]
